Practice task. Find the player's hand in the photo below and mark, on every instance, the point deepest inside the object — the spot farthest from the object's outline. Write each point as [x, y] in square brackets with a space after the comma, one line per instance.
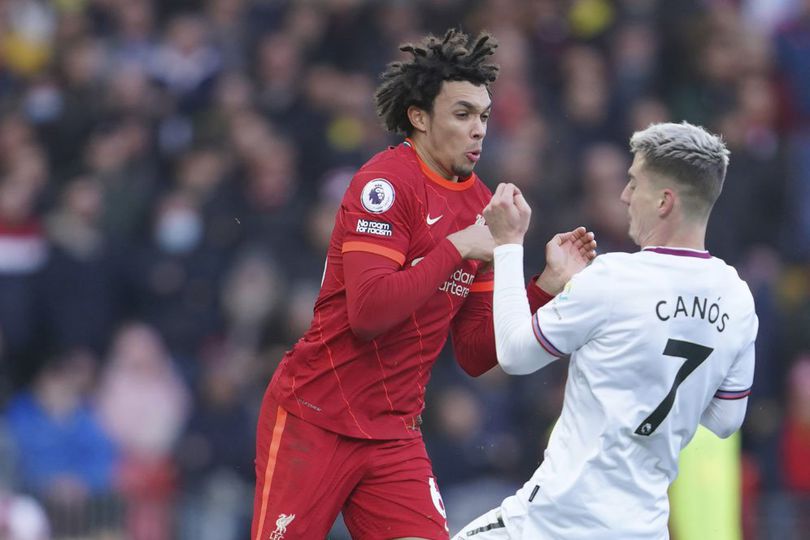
[566, 254]
[474, 242]
[508, 215]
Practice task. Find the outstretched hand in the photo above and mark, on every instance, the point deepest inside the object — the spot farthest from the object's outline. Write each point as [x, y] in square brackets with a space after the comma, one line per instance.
[566, 254]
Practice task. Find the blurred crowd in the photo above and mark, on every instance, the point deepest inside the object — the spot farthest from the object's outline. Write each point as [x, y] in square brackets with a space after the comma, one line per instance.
[169, 174]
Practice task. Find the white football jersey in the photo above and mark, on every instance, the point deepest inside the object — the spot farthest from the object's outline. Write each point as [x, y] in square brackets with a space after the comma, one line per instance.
[653, 336]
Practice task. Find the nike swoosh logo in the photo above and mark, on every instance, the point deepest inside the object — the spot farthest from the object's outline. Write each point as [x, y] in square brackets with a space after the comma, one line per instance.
[431, 221]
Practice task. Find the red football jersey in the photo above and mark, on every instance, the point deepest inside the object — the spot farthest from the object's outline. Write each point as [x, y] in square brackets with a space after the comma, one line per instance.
[396, 207]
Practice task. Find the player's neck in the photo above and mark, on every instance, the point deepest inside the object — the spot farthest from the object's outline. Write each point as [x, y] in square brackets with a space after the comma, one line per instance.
[420, 147]
[684, 237]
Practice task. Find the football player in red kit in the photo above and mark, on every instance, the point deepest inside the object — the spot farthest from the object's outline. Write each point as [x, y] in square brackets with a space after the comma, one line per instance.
[406, 267]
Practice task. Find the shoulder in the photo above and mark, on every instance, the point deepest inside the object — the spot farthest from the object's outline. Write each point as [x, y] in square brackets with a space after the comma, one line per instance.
[615, 258]
[729, 275]
[606, 277]
[608, 263]
[739, 289]
[384, 182]
[397, 164]
[392, 169]
[592, 281]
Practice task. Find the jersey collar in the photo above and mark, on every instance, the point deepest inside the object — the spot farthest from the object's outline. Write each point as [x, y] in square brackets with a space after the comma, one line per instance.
[679, 252]
[433, 176]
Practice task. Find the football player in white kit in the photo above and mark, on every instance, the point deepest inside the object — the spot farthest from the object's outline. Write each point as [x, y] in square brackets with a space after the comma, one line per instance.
[660, 340]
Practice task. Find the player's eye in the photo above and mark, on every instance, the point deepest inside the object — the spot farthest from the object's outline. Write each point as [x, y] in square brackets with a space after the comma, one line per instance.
[485, 117]
[462, 114]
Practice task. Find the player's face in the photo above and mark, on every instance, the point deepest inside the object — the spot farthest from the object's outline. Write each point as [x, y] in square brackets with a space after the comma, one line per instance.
[455, 130]
[642, 198]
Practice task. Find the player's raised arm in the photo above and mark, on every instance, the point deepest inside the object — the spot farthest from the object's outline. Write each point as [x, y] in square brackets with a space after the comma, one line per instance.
[508, 217]
[473, 328]
[381, 293]
[518, 346]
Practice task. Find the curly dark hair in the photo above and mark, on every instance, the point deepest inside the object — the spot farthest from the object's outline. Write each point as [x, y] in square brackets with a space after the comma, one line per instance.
[419, 80]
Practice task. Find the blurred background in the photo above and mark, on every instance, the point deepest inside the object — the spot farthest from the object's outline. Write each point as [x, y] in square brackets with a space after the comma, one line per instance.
[169, 174]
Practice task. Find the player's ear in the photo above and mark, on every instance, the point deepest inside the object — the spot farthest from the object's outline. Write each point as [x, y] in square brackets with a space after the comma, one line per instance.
[418, 118]
[666, 202]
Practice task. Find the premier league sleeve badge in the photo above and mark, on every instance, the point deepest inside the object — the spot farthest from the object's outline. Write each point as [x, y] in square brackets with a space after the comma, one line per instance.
[378, 196]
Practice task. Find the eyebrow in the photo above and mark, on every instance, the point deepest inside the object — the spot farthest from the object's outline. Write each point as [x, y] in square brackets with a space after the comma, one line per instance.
[471, 106]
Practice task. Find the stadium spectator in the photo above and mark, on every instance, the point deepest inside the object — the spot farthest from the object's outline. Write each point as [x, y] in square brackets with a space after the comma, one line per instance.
[143, 404]
[67, 459]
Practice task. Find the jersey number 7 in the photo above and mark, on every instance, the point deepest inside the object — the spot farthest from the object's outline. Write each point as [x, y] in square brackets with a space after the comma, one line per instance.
[695, 355]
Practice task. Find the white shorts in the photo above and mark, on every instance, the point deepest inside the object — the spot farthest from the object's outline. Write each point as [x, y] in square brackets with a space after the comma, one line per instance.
[489, 526]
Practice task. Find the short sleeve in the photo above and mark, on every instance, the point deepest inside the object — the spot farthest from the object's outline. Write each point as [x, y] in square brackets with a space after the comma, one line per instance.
[737, 383]
[572, 318]
[376, 214]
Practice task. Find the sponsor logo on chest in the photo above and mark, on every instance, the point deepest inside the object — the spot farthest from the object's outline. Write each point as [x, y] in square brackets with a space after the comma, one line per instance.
[459, 283]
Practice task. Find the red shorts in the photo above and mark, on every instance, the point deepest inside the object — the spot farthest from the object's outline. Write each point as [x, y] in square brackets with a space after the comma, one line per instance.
[306, 475]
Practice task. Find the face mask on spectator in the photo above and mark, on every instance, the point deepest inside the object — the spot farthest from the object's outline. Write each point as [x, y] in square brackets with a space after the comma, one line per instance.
[43, 104]
[179, 231]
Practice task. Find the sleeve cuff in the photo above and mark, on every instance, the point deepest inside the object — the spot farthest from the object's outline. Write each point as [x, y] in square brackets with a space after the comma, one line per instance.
[536, 291]
[537, 296]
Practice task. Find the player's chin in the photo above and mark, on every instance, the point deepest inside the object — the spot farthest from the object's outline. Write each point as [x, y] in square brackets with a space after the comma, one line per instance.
[463, 171]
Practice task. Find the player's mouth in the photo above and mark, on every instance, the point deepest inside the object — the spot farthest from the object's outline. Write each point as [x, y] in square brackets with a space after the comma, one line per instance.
[474, 155]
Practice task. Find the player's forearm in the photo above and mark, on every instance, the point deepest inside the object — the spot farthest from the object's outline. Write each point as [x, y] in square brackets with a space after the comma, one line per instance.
[473, 329]
[381, 296]
[724, 417]
[474, 335]
[518, 351]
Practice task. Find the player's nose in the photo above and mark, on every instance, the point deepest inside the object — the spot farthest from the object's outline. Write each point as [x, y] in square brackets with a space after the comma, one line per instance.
[479, 129]
[625, 196]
